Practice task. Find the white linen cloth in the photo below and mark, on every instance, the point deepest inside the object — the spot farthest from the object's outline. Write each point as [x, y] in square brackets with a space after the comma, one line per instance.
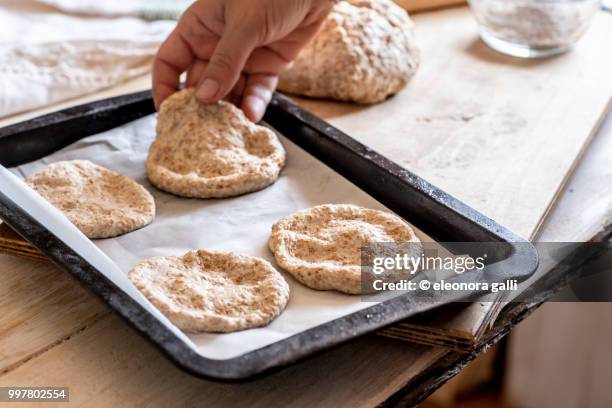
[48, 56]
[149, 9]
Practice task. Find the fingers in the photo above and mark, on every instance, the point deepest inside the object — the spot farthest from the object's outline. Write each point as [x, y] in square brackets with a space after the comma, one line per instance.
[195, 72]
[265, 60]
[257, 95]
[252, 93]
[253, 90]
[225, 65]
[172, 59]
[235, 96]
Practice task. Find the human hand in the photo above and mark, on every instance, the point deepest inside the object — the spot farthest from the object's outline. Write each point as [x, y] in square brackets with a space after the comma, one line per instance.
[235, 49]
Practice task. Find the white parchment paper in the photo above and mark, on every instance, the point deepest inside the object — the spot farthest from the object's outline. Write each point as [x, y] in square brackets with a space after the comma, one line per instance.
[240, 224]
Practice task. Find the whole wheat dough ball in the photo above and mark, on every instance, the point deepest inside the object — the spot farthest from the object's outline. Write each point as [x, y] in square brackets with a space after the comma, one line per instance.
[364, 53]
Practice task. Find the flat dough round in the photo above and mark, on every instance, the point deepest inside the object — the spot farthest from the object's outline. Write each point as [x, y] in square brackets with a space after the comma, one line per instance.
[208, 151]
[205, 291]
[364, 53]
[98, 201]
[321, 246]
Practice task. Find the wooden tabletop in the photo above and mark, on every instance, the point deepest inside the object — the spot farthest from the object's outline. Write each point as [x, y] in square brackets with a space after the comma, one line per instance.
[53, 333]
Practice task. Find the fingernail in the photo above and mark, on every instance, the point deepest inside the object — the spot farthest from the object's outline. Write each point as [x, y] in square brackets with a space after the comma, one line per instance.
[208, 89]
[256, 106]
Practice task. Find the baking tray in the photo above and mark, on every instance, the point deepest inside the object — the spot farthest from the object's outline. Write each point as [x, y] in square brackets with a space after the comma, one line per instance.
[430, 209]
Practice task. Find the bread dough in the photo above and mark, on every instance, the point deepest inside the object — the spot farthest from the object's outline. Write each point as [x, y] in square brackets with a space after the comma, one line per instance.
[208, 151]
[204, 291]
[321, 246]
[98, 201]
[364, 53]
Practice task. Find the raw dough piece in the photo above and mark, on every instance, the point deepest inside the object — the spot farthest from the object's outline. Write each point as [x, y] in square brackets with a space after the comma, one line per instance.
[98, 201]
[321, 246]
[365, 52]
[208, 151]
[205, 291]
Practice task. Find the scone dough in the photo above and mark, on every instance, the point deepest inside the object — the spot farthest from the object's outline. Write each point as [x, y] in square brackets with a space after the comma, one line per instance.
[321, 246]
[98, 201]
[364, 53]
[204, 291]
[208, 151]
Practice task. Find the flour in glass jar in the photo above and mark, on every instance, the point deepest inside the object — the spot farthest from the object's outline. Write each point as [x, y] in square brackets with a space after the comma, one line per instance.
[533, 23]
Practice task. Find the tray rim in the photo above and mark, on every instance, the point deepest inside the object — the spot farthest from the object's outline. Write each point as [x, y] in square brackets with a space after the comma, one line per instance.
[277, 354]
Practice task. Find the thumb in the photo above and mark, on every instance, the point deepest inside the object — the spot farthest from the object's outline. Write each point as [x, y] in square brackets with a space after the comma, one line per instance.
[225, 65]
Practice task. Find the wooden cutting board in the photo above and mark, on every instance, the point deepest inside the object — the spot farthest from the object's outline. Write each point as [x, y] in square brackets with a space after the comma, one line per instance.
[499, 133]
[423, 5]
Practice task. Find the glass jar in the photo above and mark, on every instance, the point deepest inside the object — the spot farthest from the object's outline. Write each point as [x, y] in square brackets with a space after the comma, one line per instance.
[533, 28]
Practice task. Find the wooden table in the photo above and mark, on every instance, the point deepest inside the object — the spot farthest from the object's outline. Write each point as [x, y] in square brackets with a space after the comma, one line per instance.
[53, 333]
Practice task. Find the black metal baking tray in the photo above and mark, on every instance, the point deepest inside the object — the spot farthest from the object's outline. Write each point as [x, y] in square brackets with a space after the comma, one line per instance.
[438, 214]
